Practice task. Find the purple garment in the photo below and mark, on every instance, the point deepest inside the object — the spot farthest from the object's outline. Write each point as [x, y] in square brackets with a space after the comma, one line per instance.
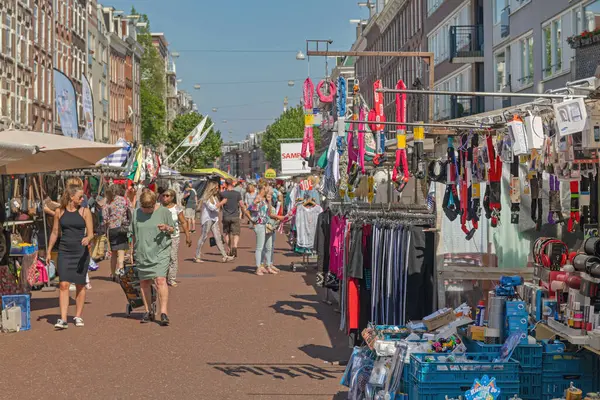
[336, 247]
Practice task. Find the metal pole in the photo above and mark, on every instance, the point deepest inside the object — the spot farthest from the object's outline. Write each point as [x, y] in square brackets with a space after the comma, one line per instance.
[485, 94]
[431, 125]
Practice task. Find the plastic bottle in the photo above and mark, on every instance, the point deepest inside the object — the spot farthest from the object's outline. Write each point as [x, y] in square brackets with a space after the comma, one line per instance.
[480, 314]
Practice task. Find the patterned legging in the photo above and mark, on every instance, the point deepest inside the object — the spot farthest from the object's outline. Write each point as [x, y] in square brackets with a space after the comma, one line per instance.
[207, 227]
[174, 263]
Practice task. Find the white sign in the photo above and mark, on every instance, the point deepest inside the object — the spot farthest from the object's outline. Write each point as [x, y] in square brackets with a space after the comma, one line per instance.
[292, 162]
[193, 138]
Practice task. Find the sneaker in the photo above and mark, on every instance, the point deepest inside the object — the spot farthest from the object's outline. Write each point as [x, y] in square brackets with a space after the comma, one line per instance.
[172, 283]
[146, 318]
[88, 286]
[164, 320]
[78, 321]
[60, 324]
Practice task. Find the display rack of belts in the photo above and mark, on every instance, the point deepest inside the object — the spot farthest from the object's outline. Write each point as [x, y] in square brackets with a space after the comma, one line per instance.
[380, 260]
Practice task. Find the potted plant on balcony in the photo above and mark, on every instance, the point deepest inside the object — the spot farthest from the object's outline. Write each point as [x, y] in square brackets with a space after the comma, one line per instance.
[586, 38]
[574, 41]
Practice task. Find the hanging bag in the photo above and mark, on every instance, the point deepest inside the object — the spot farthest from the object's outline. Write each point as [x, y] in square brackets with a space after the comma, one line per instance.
[31, 206]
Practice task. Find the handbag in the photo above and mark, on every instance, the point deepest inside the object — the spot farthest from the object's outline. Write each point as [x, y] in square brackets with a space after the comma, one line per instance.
[212, 241]
[270, 228]
[31, 205]
[99, 247]
[15, 202]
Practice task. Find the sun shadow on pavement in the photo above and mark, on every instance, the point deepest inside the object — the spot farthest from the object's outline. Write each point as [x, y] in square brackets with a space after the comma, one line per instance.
[336, 355]
[244, 268]
[46, 303]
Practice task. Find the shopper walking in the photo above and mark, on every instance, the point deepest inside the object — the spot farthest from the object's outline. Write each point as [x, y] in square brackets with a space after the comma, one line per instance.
[191, 201]
[152, 229]
[169, 200]
[210, 221]
[74, 224]
[232, 208]
[117, 217]
[261, 212]
[249, 196]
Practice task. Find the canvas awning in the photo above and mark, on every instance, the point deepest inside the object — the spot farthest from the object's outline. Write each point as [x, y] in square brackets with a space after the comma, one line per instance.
[46, 152]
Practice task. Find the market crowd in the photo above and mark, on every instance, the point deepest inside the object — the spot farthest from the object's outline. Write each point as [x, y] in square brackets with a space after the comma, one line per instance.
[140, 231]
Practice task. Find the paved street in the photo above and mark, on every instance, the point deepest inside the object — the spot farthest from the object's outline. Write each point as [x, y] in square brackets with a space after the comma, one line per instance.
[234, 335]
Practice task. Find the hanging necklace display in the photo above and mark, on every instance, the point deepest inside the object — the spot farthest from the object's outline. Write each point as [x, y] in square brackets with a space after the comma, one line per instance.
[554, 210]
[401, 164]
[451, 200]
[477, 176]
[465, 189]
[515, 191]
[377, 115]
[308, 143]
[575, 216]
[493, 189]
[535, 182]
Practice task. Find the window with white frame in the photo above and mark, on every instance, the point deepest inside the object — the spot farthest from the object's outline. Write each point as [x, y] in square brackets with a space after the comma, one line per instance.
[35, 24]
[35, 80]
[499, 7]
[7, 35]
[591, 12]
[439, 38]
[517, 4]
[442, 105]
[433, 5]
[43, 29]
[49, 93]
[526, 61]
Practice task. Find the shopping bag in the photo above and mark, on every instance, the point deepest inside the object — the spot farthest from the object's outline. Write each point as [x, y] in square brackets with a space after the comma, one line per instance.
[99, 246]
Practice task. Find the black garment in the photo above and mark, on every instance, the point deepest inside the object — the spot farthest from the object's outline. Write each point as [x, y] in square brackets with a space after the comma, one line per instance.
[322, 238]
[73, 258]
[355, 264]
[420, 290]
[231, 209]
[118, 239]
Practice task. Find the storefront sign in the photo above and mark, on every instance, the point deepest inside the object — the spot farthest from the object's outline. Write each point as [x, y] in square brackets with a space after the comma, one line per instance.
[270, 174]
[292, 162]
[66, 104]
[88, 109]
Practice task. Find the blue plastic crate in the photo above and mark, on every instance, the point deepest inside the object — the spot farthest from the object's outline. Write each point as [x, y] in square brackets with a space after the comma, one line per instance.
[431, 368]
[516, 308]
[530, 384]
[560, 369]
[23, 301]
[437, 391]
[528, 355]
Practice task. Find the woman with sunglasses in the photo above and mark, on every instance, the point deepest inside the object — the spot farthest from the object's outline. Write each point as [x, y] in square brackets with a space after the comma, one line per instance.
[210, 221]
[169, 201]
[151, 228]
[74, 222]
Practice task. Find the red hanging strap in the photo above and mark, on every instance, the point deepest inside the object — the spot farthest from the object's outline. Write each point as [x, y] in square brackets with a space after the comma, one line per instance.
[494, 176]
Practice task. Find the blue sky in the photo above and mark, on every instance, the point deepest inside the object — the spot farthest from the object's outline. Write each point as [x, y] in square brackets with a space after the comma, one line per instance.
[246, 24]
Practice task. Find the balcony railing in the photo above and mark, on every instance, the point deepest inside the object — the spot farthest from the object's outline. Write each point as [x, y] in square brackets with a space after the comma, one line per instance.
[505, 23]
[465, 106]
[466, 43]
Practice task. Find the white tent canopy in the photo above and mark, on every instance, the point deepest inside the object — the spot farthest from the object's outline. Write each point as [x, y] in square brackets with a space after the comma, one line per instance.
[35, 152]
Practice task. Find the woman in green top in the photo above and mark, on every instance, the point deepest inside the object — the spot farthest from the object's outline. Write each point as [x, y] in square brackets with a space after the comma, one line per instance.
[151, 228]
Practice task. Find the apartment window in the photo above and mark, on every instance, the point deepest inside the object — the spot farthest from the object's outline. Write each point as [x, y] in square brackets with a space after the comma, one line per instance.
[7, 35]
[591, 12]
[35, 80]
[499, 7]
[43, 93]
[49, 83]
[439, 39]
[43, 29]
[433, 5]
[35, 24]
[18, 43]
[526, 55]
[501, 73]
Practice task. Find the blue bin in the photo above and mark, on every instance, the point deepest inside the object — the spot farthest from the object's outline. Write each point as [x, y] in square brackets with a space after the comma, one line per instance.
[560, 369]
[438, 391]
[530, 384]
[429, 368]
[528, 355]
[23, 301]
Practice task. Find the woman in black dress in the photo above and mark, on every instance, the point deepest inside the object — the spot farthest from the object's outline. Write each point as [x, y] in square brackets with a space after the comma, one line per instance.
[76, 228]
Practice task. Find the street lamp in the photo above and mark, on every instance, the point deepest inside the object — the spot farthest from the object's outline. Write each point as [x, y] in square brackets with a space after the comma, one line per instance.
[175, 54]
[291, 83]
[214, 109]
[300, 56]
[197, 86]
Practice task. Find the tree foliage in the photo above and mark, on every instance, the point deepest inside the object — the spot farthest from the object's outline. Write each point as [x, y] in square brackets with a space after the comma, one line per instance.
[290, 124]
[152, 87]
[201, 157]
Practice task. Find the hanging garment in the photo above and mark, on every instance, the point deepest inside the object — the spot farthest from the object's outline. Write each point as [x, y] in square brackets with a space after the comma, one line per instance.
[322, 239]
[306, 225]
[420, 265]
[336, 255]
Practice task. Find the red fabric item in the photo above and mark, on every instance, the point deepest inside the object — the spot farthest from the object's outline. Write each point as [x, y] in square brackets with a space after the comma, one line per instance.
[353, 303]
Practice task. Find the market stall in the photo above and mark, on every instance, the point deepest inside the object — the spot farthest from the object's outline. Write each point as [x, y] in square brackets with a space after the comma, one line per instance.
[512, 200]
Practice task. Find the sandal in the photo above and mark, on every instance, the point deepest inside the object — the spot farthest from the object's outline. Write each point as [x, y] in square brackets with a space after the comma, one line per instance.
[260, 271]
[227, 259]
[272, 270]
[198, 261]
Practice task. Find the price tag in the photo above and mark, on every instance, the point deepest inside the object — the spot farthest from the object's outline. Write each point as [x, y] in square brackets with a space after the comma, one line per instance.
[309, 119]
